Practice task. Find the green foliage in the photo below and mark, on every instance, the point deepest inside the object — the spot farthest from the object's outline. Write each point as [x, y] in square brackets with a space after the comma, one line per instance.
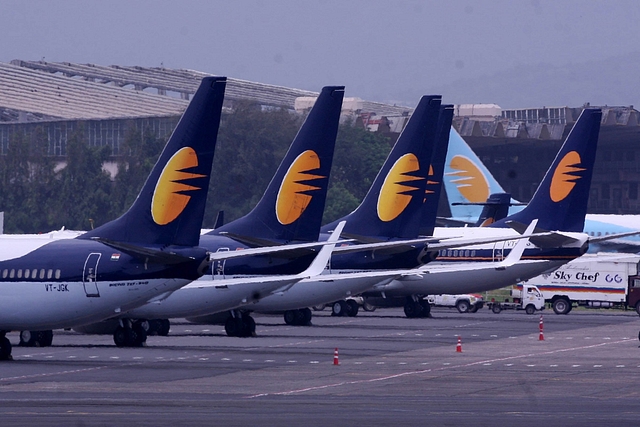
[251, 145]
[358, 157]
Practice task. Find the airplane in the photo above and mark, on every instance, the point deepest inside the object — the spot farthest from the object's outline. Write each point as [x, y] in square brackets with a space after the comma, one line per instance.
[559, 206]
[289, 213]
[468, 183]
[151, 249]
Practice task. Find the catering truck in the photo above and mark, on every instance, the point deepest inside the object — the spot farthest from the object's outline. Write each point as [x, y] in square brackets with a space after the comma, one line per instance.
[603, 280]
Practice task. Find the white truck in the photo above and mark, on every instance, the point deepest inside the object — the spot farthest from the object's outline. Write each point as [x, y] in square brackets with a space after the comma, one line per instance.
[602, 280]
[465, 303]
[528, 298]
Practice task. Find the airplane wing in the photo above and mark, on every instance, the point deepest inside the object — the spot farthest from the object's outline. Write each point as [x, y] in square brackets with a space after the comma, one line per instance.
[432, 244]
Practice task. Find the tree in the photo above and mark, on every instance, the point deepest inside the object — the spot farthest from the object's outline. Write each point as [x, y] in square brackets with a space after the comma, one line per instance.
[83, 199]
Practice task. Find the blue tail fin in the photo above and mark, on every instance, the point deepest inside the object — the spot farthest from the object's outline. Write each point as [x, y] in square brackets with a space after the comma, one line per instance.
[292, 206]
[560, 202]
[495, 208]
[170, 206]
[392, 206]
[467, 181]
[436, 170]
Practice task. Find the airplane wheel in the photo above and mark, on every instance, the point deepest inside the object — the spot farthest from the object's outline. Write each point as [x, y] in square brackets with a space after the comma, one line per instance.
[339, 308]
[299, 315]
[164, 325]
[321, 307]
[28, 338]
[290, 317]
[47, 338]
[248, 326]
[120, 337]
[412, 309]
[5, 349]
[233, 326]
[426, 308]
[307, 315]
[352, 308]
[140, 335]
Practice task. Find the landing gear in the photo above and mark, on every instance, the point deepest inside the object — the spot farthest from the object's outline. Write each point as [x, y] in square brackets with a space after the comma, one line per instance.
[301, 317]
[36, 338]
[240, 325]
[130, 334]
[416, 308]
[5, 347]
[158, 327]
[345, 308]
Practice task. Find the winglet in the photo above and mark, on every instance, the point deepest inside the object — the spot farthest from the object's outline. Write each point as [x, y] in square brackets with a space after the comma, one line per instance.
[517, 251]
[321, 260]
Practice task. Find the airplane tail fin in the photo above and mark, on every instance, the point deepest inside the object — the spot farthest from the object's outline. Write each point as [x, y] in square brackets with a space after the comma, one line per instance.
[436, 170]
[392, 206]
[170, 207]
[560, 202]
[467, 181]
[495, 208]
[292, 206]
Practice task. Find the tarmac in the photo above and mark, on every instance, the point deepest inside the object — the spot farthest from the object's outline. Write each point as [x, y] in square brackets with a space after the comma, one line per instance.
[391, 370]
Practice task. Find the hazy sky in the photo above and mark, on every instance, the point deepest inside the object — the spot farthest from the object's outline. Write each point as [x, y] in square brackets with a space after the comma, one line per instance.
[517, 53]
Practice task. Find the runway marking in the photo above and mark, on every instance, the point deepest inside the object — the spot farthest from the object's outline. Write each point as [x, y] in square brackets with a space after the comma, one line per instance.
[531, 366]
[292, 361]
[247, 360]
[425, 371]
[508, 364]
[575, 366]
[314, 362]
[226, 359]
[597, 366]
[620, 366]
[269, 361]
[553, 366]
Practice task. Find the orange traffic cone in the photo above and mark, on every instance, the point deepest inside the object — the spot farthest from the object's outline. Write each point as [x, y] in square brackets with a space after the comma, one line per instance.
[459, 346]
[541, 338]
[335, 357]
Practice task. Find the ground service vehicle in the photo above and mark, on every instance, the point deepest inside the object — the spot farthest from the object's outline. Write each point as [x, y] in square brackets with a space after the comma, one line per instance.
[465, 303]
[602, 280]
[529, 299]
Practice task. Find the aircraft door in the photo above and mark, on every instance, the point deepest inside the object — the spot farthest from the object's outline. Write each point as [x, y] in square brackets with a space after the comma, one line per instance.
[90, 275]
[498, 251]
[217, 267]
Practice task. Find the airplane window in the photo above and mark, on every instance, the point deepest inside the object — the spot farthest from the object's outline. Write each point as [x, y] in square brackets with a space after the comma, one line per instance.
[12, 273]
[42, 273]
[26, 273]
[34, 273]
[466, 253]
[49, 273]
[58, 274]
[473, 253]
[599, 234]
[5, 273]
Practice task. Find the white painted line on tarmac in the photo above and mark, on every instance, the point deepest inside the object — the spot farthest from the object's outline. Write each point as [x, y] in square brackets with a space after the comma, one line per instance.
[424, 371]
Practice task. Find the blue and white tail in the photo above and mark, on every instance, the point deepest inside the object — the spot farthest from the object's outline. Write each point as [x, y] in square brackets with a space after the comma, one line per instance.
[560, 202]
[292, 206]
[392, 207]
[467, 181]
[170, 207]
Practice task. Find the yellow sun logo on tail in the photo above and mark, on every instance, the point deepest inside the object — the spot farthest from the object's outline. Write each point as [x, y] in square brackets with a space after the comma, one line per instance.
[169, 199]
[563, 179]
[395, 194]
[472, 183]
[292, 197]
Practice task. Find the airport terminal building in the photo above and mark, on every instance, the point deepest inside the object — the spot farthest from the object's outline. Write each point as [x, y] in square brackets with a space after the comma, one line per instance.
[105, 102]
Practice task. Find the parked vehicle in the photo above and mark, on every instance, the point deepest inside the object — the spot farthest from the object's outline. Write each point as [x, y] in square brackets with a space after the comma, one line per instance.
[465, 303]
[529, 299]
[603, 280]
